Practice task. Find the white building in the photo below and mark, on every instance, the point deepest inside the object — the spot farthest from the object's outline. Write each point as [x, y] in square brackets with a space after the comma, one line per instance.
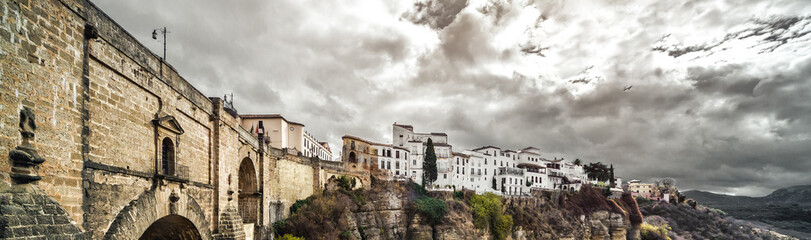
[484, 169]
[284, 134]
[404, 136]
[392, 158]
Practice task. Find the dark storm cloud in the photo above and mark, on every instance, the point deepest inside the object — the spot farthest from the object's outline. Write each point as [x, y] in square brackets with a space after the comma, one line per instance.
[437, 14]
[773, 32]
[721, 103]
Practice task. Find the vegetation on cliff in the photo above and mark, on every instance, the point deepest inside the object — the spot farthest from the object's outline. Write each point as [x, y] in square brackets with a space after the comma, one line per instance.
[488, 215]
[687, 222]
[556, 215]
[397, 210]
[787, 208]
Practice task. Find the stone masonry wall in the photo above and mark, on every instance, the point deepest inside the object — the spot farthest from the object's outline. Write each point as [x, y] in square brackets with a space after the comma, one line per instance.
[295, 181]
[95, 91]
[40, 67]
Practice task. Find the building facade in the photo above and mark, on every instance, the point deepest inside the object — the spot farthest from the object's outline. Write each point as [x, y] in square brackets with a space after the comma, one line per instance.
[484, 169]
[640, 189]
[284, 134]
[405, 137]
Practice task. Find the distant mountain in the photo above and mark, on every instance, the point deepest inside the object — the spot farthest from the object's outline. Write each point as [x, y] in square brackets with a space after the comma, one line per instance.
[787, 208]
[800, 195]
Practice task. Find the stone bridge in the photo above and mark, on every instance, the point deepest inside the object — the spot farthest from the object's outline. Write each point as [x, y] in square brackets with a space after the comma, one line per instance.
[106, 141]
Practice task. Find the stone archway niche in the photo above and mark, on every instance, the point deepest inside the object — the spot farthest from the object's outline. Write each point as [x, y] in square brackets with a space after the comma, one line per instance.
[172, 227]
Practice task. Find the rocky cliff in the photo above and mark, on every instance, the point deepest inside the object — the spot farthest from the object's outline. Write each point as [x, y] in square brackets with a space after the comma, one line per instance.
[387, 210]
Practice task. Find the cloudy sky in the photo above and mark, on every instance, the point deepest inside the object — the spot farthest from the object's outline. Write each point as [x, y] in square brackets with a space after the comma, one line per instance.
[719, 91]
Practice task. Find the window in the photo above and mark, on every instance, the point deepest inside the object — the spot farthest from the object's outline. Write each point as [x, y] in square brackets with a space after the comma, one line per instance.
[444, 176]
[168, 157]
[388, 165]
[398, 154]
[353, 145]
[397, 165]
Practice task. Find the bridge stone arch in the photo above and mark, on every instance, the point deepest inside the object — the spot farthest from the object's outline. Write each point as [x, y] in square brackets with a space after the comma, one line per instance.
[172, 227]
[248, 184]
[162, 205]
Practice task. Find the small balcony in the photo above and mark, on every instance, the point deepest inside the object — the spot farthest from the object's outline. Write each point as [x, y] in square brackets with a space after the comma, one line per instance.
[511, 171]
[180, 174]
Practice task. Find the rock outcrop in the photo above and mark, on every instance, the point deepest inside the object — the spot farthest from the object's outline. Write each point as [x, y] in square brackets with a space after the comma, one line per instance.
[386, 211]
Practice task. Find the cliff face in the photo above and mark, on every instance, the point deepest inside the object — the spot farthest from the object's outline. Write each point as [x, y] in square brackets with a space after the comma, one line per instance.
[559, 215]
[686, 222]
[386, 211]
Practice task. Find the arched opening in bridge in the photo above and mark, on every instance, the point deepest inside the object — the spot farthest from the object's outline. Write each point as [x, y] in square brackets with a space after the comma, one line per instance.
[248, 195]
[170, 228]
[168, 157]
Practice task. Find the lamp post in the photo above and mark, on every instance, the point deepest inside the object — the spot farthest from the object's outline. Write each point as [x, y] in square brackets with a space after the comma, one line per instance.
[163, 32]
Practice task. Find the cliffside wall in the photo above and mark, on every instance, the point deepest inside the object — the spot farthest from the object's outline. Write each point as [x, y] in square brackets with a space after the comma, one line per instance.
[386, 210]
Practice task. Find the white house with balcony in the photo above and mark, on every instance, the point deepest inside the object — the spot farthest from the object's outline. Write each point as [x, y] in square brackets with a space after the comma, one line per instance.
[484, 169]
[392, 158]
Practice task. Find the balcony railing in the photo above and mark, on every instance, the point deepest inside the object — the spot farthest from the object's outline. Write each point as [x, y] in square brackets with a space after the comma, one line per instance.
[180, 174]
[510, 171]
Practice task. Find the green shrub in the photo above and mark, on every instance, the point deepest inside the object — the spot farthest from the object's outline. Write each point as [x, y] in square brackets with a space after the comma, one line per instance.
[718, 211]
[651, 232]
[458, 195]
[419, 189]
[299, 204]
[278, 226]
[431, 208]
[290, 237]
[346, 234]
[606, 191]
[357, 195]
[487, 214]
[346, 182]
[502, 226]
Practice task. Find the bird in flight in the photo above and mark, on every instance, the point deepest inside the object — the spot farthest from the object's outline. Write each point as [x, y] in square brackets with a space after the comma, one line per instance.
[627, 88]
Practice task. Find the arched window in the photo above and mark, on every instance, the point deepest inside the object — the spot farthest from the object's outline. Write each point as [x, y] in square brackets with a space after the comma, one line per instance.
[168, 157]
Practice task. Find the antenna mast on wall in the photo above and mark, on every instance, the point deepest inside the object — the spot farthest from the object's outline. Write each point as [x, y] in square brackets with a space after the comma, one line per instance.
[228, 104]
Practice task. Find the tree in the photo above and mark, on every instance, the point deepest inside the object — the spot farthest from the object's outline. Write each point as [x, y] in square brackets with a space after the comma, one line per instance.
[606, 191]
[429, 163]
[611, 176]
[578, 162]
[597, 171]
